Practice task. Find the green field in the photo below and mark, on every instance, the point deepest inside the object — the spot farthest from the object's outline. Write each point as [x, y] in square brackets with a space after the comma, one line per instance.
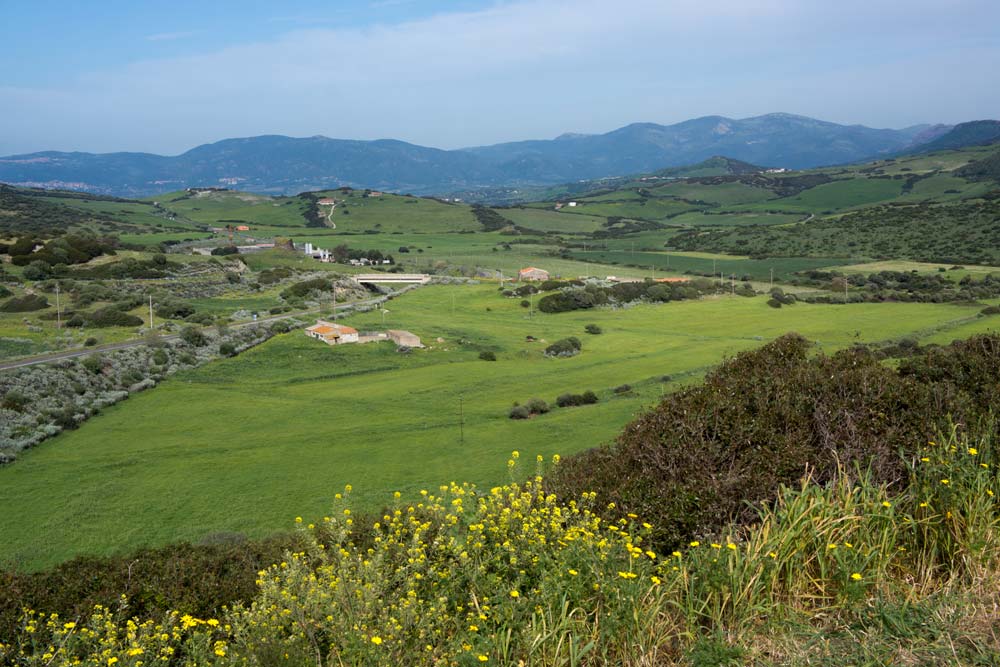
[245, 444]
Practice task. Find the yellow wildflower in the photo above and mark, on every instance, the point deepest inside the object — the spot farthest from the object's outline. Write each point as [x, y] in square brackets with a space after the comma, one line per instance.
[377, 641]
[856, 576]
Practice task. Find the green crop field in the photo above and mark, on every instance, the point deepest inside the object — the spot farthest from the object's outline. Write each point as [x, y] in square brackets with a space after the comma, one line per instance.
[247, 443]
[756, 269]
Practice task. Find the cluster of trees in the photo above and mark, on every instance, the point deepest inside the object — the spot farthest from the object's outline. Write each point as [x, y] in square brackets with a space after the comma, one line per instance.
[343, 254]
[565, 347]
[957, 233]
[589, 296]
[60, 251]
[909, 286]
[490, 219]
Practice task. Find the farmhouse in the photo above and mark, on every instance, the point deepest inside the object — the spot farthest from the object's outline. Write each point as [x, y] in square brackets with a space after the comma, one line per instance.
[404, 338]
[531, 273]
[327, 202]
[332, 333]
[242, 228]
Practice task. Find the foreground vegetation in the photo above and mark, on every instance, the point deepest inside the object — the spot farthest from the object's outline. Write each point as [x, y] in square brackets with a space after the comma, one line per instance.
[846, 573]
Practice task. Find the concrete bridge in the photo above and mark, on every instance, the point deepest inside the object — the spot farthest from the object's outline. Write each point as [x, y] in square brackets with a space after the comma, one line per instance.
[412, 278]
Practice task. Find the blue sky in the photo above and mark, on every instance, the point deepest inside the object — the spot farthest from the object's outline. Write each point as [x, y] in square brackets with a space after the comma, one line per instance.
[164, 77]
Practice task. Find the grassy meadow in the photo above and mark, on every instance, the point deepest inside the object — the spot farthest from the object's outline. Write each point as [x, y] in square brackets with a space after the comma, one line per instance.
[245, 444]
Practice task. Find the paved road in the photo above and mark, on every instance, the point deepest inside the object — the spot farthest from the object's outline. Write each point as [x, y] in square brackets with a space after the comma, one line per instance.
[69, 354]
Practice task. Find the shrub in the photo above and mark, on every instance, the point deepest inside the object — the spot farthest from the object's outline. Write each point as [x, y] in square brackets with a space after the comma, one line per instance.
[225, 250]
[487, 355]
[90, 342]
[623, 389]
[990, 310]
[593, 329]
[525, 303]
[25, 304]
[570, 400]
[774, 303]
[4, 292]
[519, 412]
[227, 349]
[537, 406]
[763, 418]
[112, 316]
[193, 336]
[566, 347]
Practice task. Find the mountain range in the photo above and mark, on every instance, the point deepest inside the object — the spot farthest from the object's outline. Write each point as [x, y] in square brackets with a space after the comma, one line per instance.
[286, 165]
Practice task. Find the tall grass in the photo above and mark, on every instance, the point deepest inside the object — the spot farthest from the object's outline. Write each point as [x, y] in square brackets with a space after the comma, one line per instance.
[851, 571]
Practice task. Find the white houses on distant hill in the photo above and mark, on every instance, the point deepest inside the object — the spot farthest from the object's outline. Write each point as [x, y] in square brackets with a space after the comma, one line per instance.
[532, 273]
[332, 333]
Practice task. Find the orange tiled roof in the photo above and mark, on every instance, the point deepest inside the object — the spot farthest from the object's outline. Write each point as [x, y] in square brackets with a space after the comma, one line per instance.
[346, 330]
[322, 329]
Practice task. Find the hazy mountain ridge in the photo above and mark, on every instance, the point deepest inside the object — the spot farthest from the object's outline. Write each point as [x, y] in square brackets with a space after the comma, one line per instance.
[279, 164]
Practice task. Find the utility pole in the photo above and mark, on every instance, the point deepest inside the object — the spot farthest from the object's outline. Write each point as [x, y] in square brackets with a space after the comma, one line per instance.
[334, 291]
[150, 312]
[772, 280]
[58, 309]
[501, 278]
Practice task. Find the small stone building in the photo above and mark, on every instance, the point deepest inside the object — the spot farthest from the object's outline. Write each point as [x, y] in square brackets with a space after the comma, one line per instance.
[332, 333]
[532, 273]
[404, 338]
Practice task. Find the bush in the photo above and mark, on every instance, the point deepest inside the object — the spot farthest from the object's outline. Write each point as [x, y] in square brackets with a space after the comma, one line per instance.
[225, 250]
[525, 303]
[593, 329]
[990, 310]
[707, 454]
[623, 389]
[774, 303]
[570, 400]
[25, 304]
[487, 355]
[193, 336]
[112, 316]
[567, 347]
[227, 349]
[519, 412]
[90, 342]
[537, 406]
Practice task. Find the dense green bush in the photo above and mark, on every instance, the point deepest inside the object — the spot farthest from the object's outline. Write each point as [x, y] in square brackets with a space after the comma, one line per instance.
[566, 347]
[304, 288]
[194, 579]
[765, 418]
[593, 329]
[25, 304]
[112, 316]
[571, 400]
[193, 336]
[537, 406]
[487, 355]
[519, 412]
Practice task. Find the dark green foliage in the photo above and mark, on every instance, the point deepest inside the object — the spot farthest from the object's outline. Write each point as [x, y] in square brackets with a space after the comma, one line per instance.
[571, 400]
[593, 329]
[112, 316]
[227, 349]
[708, 454]
[537, 406]
[172, 308]
[193, 336]
[94, 363]
[990, 310]
[774, 303]
[487, 355]
[986, 169]
[25, 304]
[623, 389]
[275, 275]
[90, 342]
[490, 219]
[566, 347]
[192, 579]
[225, 250]
[519, 412]
[949, 233]
[4, 292]
[128, 267]
[23, 211]
[525, 303]
[69, 249]
[304, 288]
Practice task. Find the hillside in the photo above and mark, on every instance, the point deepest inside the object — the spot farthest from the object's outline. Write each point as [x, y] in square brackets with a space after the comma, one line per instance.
[286, 165]
[973, 133]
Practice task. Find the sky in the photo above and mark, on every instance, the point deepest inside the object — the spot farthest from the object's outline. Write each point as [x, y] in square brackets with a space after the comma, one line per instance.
[163, 77]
